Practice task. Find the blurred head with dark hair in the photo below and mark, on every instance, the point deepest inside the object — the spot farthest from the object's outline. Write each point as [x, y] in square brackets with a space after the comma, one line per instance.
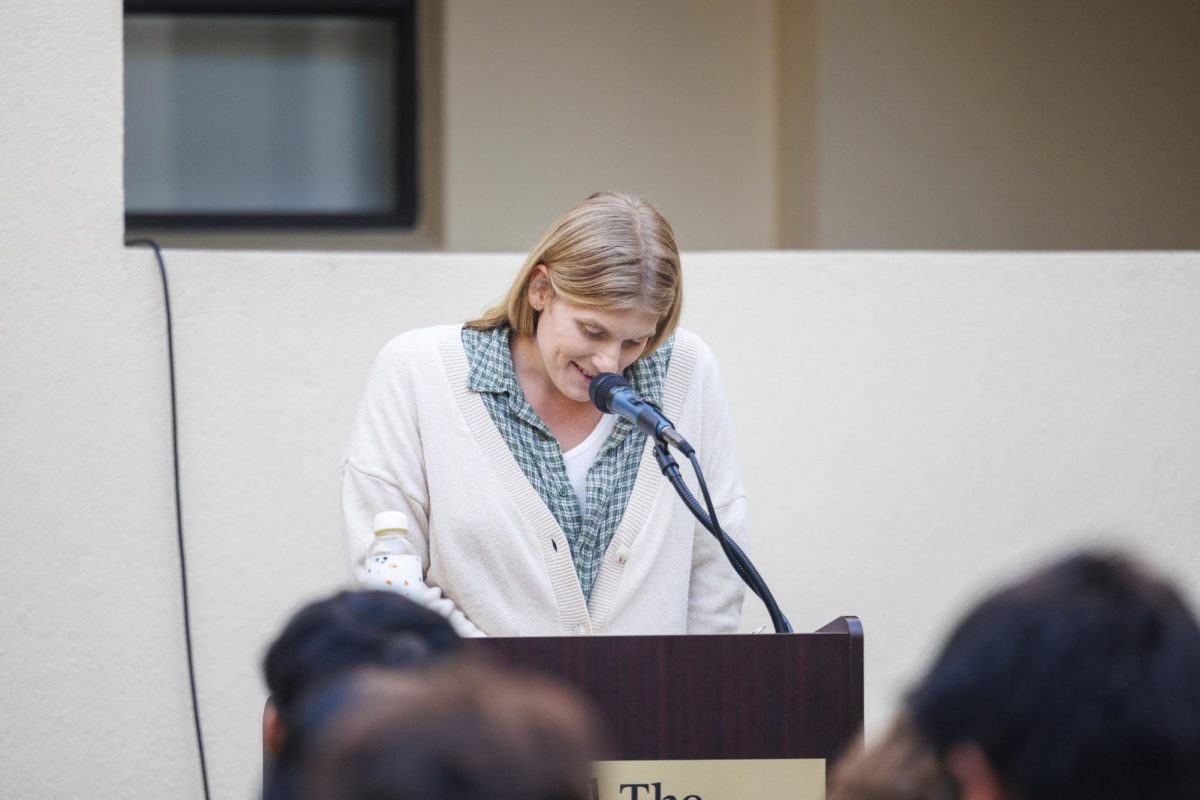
[1081, 682]
[468, 732]
[330, 638]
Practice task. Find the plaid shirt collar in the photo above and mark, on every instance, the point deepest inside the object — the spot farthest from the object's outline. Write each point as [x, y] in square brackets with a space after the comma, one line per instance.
[490, 367]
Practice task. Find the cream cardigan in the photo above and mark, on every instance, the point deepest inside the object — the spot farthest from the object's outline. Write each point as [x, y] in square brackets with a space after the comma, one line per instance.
[423, 443]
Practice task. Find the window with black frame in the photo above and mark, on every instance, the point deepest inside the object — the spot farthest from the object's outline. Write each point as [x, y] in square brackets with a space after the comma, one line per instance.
[253, 114]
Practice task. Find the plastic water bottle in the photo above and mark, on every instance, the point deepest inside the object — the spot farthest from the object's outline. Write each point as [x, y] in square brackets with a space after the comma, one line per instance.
[393, 564]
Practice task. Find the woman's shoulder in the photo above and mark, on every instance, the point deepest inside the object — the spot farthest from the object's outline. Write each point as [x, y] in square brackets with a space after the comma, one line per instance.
[416, 355]
[693, 376]
[691, 354]
[420, 343]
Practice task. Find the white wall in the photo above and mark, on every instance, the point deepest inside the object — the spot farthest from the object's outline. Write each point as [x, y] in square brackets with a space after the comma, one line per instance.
[949, 419]
[93, 696]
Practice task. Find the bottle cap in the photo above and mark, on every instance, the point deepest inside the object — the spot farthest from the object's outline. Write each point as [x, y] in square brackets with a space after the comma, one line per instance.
[391, 521]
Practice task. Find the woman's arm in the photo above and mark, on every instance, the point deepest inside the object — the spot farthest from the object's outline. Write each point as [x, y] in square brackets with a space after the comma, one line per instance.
[384, 470]
[364, 496]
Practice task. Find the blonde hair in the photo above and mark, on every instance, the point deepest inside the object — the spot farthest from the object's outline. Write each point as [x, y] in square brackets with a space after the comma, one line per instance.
[612, 251]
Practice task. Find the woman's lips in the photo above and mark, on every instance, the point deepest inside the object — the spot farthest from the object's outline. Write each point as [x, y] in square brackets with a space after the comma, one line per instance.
[586, 376]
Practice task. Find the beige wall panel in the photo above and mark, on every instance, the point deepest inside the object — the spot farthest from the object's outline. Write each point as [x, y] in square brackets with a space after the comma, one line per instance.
[547, 101]
[1019, 125]
[797, 44]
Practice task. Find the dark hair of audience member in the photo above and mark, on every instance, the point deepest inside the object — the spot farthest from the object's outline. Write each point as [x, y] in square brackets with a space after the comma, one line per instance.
[1081, 682]
[468, 732]
[351, 630]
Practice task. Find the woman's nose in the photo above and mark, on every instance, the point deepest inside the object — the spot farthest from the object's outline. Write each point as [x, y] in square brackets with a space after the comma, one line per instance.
[607, 360]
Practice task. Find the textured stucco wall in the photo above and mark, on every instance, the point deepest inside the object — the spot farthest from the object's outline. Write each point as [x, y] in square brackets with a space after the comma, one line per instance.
[92, 687]
[911, 428]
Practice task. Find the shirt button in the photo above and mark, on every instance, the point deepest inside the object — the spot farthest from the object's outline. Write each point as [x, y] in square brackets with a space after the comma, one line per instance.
[581, 630]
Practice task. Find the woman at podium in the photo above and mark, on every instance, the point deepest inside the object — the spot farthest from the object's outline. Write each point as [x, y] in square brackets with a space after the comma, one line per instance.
[534, 512]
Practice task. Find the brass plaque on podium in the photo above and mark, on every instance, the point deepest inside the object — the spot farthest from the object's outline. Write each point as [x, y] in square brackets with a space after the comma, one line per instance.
[723, 779]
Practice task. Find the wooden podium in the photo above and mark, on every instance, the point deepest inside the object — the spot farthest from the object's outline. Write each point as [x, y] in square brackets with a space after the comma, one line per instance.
[762, 696]
[743, 702]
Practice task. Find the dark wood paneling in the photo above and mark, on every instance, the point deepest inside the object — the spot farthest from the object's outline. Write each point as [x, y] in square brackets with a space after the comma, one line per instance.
[711, 697]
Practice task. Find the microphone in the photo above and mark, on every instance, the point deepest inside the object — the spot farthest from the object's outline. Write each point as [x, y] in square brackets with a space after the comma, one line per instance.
[612, 394]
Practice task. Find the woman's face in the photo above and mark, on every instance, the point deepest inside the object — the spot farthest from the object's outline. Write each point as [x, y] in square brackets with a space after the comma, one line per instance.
[577, 342]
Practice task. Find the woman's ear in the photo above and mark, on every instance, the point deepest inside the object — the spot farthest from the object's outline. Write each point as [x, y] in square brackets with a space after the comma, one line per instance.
[539, 290]
[971, 769]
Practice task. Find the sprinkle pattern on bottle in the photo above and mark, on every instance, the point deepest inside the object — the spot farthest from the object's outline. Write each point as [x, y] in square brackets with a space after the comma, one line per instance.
[407, 581]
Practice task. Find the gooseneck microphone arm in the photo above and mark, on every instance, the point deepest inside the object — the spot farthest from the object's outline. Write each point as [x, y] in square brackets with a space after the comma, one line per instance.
[737, 557]
[612, 394]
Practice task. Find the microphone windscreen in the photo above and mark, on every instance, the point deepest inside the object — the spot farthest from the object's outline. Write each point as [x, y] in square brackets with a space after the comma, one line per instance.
[600, 389]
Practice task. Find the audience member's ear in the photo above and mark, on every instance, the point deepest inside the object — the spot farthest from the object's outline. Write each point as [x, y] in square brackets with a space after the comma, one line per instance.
[272, 729]
[976, 778]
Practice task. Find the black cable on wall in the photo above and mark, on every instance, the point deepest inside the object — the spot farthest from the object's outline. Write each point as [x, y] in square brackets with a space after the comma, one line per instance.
[187, 624]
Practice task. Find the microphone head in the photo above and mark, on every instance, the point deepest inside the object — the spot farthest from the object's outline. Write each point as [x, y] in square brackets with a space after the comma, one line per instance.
[601, 387]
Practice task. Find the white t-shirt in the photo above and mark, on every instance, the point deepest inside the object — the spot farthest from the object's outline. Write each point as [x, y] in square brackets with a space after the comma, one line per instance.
[579, 459]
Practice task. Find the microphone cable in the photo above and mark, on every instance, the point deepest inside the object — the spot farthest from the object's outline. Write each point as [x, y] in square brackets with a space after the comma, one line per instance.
[604, 391]
[737, 557]
[187, 625]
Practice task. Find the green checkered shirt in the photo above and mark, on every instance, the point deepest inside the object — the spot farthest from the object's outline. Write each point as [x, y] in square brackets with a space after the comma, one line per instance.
[610, 479]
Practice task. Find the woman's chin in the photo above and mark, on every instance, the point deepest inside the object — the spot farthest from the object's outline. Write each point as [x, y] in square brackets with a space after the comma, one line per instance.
[574, 391]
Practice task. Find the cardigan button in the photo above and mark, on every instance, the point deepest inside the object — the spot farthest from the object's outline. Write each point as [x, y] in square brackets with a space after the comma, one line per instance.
[581, 630]
[623, 555]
